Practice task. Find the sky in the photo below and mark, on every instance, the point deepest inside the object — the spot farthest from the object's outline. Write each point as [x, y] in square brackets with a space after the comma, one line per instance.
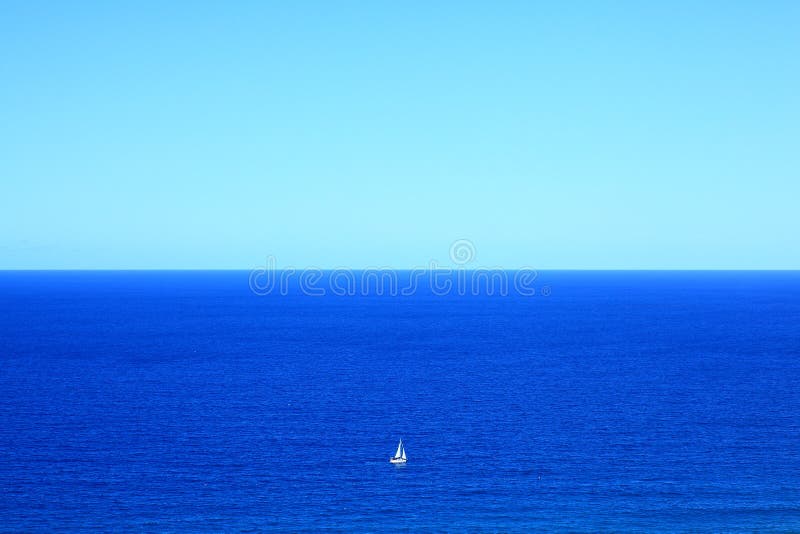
[553, 135]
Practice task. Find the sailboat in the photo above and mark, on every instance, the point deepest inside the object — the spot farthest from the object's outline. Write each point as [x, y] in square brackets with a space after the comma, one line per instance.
[400, 456]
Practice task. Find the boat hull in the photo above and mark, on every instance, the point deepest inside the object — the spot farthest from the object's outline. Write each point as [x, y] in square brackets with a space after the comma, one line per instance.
[397, 460]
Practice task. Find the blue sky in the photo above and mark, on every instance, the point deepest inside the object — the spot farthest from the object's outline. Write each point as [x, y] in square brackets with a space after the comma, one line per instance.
[553, 134]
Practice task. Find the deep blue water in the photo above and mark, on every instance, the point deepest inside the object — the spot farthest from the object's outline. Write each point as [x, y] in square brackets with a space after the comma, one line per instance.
[174, 401]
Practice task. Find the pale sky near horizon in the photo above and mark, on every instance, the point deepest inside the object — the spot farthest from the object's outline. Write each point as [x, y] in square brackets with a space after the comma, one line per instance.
[551, 134]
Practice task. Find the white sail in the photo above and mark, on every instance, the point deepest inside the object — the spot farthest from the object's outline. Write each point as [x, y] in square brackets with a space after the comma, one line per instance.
[399, 449]
[403, 456]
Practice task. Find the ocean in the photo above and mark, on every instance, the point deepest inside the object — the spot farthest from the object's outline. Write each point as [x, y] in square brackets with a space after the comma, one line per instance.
[606, 401]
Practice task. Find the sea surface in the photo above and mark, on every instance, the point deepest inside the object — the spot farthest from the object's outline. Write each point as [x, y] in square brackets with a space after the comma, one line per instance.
[611, 401]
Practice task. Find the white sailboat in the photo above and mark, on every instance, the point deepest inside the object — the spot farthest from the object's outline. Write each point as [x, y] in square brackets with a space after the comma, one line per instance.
[400, 456]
